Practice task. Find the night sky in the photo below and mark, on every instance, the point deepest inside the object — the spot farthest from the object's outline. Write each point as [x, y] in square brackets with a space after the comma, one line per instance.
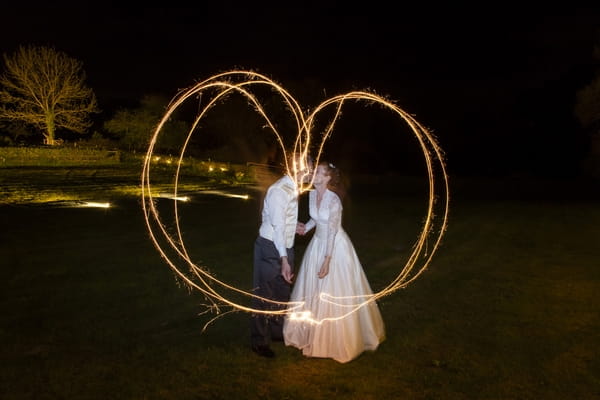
[496, 85]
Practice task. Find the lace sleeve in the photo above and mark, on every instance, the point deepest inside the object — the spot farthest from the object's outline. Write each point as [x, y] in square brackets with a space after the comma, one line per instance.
[333, 224]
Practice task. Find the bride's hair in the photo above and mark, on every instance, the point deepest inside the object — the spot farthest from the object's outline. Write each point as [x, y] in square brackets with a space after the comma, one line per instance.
[336, 183]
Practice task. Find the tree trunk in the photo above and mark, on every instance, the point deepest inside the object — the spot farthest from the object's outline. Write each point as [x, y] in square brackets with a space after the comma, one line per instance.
[50, 129]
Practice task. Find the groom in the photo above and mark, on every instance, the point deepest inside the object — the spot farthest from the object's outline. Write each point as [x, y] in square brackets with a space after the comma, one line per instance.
[274, 254]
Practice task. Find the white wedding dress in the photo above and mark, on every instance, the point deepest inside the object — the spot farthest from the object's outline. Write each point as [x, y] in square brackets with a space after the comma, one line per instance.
[335, 317]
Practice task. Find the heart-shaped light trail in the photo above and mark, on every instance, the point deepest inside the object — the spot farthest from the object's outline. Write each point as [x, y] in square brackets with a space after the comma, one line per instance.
[216, 89]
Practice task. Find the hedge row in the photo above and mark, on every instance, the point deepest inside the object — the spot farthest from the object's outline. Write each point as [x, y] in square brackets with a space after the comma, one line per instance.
[56, 156]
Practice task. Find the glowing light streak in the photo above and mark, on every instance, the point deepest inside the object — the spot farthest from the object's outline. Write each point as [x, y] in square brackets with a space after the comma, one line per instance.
[344, 306]
[172, 197]
[95, 204]
[225, 194]
[216, 89]
[78, 204]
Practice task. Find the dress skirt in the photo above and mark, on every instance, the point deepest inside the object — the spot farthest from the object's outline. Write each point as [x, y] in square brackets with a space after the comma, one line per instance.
[336, 316]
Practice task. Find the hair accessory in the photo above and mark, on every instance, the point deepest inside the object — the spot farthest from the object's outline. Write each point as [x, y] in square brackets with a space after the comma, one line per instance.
[331, 165]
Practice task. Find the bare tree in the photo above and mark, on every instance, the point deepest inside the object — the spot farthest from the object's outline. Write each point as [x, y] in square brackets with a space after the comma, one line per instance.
[45, 88]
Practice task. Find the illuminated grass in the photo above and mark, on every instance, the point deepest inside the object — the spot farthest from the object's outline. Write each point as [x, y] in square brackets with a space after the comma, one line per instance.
[40, 185]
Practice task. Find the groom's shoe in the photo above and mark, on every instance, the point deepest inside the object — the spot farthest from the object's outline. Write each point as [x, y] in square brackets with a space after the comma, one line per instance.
[263, 351]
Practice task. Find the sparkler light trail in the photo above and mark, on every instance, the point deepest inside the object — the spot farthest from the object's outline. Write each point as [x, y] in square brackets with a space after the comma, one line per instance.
[216, 90]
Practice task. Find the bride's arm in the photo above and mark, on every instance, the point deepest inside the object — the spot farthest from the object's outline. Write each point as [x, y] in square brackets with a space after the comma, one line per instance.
[333, 223]
[335, 217]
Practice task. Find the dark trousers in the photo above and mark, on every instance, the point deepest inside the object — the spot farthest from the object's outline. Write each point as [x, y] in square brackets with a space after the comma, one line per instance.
[269, 284]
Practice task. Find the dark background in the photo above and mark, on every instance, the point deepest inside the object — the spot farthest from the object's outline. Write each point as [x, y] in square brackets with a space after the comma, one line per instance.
[495, 83]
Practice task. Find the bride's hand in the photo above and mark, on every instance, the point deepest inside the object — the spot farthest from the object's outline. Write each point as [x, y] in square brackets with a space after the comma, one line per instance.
[324, 268]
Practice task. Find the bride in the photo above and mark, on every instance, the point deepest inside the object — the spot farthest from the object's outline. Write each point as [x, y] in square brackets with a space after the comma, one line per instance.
[334, 315]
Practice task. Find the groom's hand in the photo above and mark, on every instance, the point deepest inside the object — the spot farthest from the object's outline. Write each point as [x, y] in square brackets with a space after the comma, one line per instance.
[286, 270]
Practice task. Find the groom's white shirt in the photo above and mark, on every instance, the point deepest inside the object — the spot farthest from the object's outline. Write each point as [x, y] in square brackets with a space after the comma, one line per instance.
[280, 214]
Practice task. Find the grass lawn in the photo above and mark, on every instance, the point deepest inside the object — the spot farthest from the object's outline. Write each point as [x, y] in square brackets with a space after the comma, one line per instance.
[508, 308]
